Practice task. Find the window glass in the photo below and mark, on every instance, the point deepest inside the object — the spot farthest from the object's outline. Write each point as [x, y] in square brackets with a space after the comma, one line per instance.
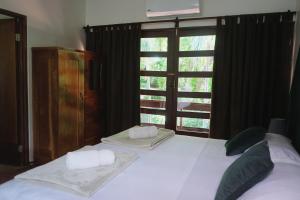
[153, 64]
[153, 83]
[183, 122]
[197, 43]
[154, 44]
[194, 84]
[152, 119]
[196, 64]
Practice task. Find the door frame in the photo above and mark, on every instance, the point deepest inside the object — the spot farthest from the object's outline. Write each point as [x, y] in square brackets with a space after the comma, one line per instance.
[22, 88]
[168, 33]
[172, 74]
[184, 32]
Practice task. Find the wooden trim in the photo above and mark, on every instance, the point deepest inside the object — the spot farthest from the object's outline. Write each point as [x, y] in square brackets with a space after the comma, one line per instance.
[200, 115]
[10, 13]
[23, 90]
[196, 130]
[206, 53]
[197, 107]
[196, 74]
[156, 33]
[190, 106]
[171, 81]
[153, 111]
[22, 94]
[155, 104]
[153, 92]
[193, 133]
[154, 54]
[204, 95]
[197, 31]
[153, 73]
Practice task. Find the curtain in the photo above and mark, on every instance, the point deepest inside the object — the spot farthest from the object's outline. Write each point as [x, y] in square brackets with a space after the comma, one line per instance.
[294, 107]
[252, 72]
[117, 49]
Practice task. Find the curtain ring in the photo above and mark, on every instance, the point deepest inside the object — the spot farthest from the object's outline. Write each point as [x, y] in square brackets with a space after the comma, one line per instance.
[238, 20]
[223, 22]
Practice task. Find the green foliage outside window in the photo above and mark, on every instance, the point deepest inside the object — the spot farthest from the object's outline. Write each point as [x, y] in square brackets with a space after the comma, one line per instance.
[154, 44]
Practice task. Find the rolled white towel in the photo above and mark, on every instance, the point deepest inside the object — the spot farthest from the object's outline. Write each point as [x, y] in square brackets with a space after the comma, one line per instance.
[107, 157]
[89, 159]
[142, 132]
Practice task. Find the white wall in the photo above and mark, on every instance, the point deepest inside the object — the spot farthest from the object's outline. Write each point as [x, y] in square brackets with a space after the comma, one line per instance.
[50, 23]
[121, 11]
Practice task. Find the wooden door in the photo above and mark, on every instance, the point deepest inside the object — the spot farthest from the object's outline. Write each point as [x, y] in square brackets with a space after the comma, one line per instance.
[93, 105]
[176, 69]
[9, 140]
[70, 101]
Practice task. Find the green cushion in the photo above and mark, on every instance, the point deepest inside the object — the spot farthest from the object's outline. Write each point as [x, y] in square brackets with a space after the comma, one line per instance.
[253, 166]
[245, 139]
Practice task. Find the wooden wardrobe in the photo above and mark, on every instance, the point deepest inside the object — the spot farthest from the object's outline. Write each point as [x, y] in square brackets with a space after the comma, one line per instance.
[58, 102]
[93, 102]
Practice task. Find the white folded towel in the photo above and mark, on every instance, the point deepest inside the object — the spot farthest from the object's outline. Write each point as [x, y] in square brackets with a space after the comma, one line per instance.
[142, 132]
[89, 159]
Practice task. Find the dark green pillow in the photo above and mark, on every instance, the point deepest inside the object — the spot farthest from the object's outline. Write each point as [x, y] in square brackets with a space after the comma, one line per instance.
[253, 166]
[245, 139]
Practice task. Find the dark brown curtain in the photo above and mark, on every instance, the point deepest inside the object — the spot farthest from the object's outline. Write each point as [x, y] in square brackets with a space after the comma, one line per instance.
[117, 48]
[252, 71]
[294, 107]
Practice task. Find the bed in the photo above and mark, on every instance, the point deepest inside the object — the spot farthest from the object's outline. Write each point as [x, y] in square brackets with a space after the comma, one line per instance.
[181, 168]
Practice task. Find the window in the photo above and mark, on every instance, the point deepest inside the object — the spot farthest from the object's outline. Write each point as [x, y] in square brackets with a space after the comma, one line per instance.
[176, 79]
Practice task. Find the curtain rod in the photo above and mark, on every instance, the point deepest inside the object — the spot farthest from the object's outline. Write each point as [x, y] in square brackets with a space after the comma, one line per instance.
[177, 20]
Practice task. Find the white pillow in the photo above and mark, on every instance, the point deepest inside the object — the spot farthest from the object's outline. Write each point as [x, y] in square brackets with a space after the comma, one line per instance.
[277, 138]
[281, 149]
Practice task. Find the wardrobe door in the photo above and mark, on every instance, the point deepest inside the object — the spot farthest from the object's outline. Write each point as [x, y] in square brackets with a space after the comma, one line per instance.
[9, 140]
[70, 101]
[93, 104]
[45, 109]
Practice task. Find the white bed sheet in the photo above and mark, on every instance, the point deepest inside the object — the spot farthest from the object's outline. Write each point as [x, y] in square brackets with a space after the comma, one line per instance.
[157, 174]
[182, 168]
[282, 183]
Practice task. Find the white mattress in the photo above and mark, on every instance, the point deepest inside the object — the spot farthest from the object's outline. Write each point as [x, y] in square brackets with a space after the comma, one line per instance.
[182, 168]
